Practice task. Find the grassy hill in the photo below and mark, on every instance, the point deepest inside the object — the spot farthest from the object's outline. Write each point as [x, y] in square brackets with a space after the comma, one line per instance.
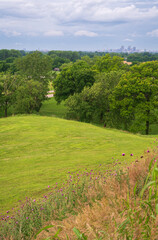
[37, 151]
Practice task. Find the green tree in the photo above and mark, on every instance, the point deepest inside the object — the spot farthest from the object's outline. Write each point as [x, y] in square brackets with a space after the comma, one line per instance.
[92, 104]
[135, 99]
[35, 66]
[72, 79]
[8, 85]
[35, 73]
[108, 63]
[29, 97]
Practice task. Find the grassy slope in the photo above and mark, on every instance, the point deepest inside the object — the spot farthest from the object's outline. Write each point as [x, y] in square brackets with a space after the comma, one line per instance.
[38, 151]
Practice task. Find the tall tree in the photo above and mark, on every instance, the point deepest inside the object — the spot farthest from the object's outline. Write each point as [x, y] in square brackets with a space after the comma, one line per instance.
[8, 85]
[136, 96]
[34, 70]
[92, 104]
[72, 79]
[35, 66]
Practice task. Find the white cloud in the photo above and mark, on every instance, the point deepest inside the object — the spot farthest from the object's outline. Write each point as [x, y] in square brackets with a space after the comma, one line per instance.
[128, 40]
[11, 33]
[53, 33]
[153, 33]
[85, 33]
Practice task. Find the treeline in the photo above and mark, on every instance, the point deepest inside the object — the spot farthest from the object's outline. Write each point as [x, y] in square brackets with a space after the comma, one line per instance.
[105, 90]
[100, 89]
[7, 57]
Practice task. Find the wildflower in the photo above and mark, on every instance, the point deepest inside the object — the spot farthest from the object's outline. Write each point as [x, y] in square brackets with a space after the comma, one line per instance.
[148, 151]
[34, 200]
[131, 154]
[32, 209]
[123, 154]
[48, 186]
[27, 218]
[7, 211]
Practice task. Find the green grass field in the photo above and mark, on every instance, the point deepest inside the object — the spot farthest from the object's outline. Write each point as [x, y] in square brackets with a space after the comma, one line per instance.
[51, 108]
[37, 151]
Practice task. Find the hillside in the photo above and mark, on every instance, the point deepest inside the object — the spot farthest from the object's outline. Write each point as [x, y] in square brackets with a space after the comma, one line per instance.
[38, 151]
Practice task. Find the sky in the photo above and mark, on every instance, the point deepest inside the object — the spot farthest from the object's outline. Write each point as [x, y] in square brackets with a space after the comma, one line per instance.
[82, 25]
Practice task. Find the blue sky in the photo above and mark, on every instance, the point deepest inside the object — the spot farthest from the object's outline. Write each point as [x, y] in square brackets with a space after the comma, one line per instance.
[78, 24]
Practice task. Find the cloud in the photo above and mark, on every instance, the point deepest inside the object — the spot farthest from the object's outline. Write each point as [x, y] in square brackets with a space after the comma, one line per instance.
[86, 33]
[91, 18]
[53, 33]
[153, 33]
[11, 33]
[128, 40]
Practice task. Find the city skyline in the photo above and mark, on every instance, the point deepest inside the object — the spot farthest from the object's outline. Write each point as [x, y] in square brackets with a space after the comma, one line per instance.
[86, 25]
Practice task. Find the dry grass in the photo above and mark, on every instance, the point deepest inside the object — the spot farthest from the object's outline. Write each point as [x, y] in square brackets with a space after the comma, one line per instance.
[101, 220]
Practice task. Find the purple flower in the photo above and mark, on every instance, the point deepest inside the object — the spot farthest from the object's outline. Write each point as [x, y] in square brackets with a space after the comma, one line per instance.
[34, 200]
[48, 186]
[148, 151]
[27, 218]
[32, 209]
[131, 154]
[7, 211]
[123, 154]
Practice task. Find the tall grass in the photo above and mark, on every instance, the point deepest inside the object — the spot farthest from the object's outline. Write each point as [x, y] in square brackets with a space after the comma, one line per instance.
[118, 203]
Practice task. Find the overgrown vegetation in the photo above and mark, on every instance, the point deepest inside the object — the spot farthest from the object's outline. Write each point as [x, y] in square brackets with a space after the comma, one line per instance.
[115, 203]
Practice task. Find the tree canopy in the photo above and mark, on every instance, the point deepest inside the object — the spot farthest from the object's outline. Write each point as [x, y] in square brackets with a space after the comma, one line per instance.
[73, 79]
[135, 99]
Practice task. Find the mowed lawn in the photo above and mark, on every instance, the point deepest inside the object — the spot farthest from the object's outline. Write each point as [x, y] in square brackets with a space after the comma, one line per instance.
[37, 151]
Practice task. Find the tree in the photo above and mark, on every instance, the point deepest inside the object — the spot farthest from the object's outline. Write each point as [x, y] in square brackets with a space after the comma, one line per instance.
[8, 85]
[29, 97]
[108, 63]
[135, 99]
[35, 66]
[92, 104]
[72, 79]
[34, 70]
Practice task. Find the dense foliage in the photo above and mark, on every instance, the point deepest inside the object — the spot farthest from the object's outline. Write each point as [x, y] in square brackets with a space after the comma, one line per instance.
[26, 89]
[135, 99]
[97, 87]
[73, 79]
[92, 104]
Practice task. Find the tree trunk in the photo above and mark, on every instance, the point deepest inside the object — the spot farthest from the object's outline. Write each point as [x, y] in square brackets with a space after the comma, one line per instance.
[147, 127]
[147, 123]
[6, 108]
